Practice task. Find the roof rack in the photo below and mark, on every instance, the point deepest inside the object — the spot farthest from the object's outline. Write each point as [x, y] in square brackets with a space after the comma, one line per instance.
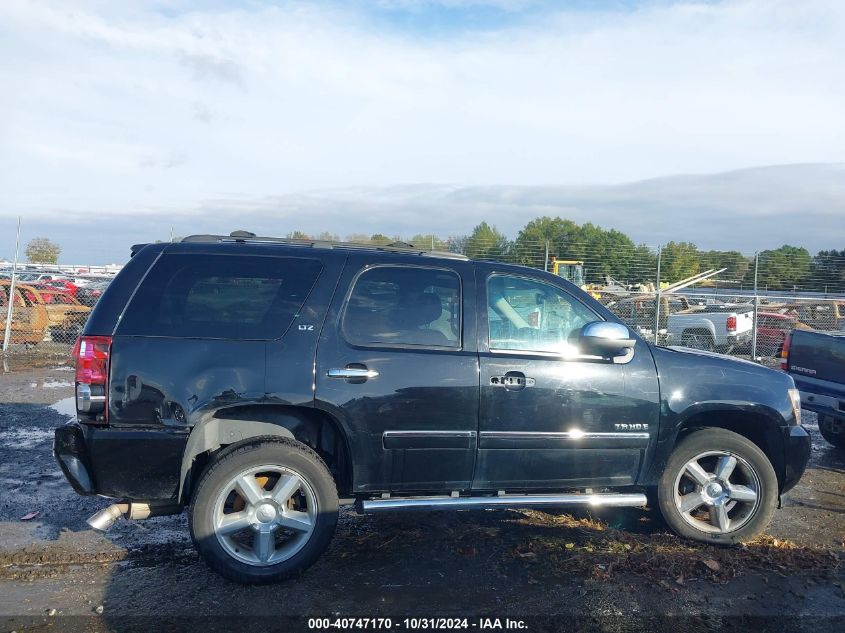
[245, 237]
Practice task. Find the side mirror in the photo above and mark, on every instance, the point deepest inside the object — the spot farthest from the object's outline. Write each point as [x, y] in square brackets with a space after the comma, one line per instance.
[606, 338]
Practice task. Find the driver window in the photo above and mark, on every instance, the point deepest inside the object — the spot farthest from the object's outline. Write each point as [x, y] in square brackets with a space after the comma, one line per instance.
[526, 314]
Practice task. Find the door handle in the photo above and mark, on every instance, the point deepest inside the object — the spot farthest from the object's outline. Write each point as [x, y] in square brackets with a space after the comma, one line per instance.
[513, 380]
[352, 372]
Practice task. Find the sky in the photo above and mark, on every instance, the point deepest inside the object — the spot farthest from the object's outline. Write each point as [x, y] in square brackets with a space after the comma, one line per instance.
[716, 122]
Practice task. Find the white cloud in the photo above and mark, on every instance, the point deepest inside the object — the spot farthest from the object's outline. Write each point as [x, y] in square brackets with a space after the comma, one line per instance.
[130, 108]
[746, 210]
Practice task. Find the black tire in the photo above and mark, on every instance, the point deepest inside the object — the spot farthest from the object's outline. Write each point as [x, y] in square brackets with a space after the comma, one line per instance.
[752, 517]
[833, 430]
[239, 458]
[695, 339]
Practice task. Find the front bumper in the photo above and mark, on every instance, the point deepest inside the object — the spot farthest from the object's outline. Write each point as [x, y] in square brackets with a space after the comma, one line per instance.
[70, 451]
[797, 453]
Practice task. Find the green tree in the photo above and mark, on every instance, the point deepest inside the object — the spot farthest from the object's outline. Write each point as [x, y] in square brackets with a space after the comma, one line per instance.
[614, 254]
[380, 239]
[784, 268]
[679, 260]
[604, 253]
[456, 243]
[328, 236]
[428, 240]
[736, 264]
[485, 242]
[42, 250]
[530, 245]
[298, 235]
[828, 271]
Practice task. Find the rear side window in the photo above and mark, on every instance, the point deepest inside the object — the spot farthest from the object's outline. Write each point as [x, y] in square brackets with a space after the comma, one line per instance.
[220, 296]
[403, 305]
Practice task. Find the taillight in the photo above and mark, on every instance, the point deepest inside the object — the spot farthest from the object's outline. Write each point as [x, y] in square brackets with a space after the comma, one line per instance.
[92, 375]
[784, 352]
[731, 323]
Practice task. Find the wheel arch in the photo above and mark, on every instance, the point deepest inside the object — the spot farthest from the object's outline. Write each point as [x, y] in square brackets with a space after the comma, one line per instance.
[704, 327]
[237, 424]
[759, 424]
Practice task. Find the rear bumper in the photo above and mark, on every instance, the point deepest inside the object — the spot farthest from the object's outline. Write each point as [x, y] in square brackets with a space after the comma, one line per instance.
[828, 405]
[70, 451]
[737, 340]
[797, 454]
[127, 464]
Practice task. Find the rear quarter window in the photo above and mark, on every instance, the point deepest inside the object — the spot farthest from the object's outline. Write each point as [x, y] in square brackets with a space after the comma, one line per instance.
[220, 296]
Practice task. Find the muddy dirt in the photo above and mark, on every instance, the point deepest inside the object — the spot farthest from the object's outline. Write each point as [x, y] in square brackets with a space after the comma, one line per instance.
[615, 570]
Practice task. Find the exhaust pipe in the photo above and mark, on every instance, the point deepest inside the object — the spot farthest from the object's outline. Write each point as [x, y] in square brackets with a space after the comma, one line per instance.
[105, 518]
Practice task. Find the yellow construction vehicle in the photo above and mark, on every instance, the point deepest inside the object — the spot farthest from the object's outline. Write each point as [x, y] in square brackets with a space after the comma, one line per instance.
[570, 269]
[573, 270]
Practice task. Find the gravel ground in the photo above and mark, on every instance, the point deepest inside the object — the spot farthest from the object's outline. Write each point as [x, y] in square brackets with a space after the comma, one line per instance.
[612, 571]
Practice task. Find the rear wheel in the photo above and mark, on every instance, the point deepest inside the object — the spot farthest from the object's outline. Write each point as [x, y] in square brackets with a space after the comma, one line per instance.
[833, 430]
[698, 339]
[264, 511]
[718, 487]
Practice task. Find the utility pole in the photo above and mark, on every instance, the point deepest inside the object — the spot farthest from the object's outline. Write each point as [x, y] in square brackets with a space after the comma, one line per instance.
[658, 298]
[756, 302]
[546, 262]
[8, 333]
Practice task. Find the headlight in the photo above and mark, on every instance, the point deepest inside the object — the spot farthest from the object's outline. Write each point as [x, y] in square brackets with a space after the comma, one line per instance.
[795, 398]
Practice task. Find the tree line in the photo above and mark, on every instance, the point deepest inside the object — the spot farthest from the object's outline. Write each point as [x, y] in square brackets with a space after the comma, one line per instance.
[605, 253]
[611, 253]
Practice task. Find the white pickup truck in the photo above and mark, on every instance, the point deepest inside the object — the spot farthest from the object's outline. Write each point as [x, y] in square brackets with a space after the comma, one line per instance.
[721, 328]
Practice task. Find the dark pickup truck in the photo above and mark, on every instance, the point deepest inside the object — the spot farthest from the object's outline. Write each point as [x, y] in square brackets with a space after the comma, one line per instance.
[816, 361]
[263, 382]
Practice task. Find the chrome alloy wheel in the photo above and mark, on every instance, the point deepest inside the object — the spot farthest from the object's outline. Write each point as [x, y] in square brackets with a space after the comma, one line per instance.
[265, 515]
[717, 492]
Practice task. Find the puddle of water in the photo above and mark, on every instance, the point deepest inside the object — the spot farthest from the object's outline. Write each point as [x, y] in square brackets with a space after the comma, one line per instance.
[25, 438]
[50, 384]
[65, 406]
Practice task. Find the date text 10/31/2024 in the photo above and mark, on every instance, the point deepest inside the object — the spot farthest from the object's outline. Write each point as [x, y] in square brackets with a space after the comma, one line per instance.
[416, 623]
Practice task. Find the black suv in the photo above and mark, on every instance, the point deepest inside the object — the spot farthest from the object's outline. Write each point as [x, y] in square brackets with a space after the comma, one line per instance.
[262, 382]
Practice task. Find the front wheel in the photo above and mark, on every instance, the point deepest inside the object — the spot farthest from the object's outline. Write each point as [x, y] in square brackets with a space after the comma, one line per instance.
[718, 487]
[264, 511]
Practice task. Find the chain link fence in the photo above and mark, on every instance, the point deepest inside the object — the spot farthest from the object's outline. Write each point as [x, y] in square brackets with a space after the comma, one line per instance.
[721, 301]
[44, 307]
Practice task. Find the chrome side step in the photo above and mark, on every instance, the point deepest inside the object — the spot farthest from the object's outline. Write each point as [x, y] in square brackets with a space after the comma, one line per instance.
[605, 500]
